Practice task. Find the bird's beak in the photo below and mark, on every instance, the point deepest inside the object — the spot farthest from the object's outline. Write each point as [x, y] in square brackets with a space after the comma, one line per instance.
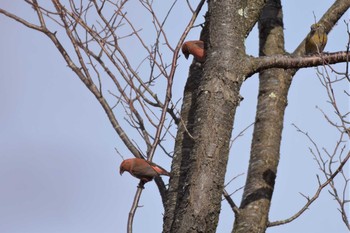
[121, 171]
[186, 55]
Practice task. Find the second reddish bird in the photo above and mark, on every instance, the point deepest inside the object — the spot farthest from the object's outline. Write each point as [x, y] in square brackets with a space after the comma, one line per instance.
[142, 169]
[194, 47]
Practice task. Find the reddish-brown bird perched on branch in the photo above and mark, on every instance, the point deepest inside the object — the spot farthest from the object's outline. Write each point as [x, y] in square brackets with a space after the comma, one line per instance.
[316, 40]
[142, 169]
[194, 47]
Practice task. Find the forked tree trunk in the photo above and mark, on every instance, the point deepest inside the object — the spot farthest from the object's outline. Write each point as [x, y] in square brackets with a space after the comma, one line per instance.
[210, 101]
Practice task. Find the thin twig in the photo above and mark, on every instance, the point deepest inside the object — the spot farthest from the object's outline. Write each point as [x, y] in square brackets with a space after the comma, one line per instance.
[314, 197]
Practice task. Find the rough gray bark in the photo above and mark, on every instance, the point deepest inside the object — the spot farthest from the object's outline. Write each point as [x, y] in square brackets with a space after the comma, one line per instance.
[272, 102]
[210, 101]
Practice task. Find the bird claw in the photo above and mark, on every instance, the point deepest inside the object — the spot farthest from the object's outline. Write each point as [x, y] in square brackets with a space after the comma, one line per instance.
[141, 185]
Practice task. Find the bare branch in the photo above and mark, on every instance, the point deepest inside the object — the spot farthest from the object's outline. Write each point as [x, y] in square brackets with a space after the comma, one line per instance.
[134, 207]
[171, 77]
[314, 197]
[292, 62]
[326, 163]
[228, 198]
[22, 21]
[240, 134]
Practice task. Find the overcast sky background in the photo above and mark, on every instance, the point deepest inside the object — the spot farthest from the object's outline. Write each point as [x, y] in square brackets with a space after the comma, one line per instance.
[58, 165]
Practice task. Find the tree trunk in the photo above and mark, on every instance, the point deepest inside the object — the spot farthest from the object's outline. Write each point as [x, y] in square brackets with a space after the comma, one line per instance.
[265, 151]
[209, 105]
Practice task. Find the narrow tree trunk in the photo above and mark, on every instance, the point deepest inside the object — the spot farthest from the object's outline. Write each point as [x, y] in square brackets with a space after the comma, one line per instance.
[265, 150]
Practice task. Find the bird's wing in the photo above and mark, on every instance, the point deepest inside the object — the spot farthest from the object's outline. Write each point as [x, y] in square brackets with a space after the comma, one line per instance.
[199, 43]
[158, 169]
[143, 171]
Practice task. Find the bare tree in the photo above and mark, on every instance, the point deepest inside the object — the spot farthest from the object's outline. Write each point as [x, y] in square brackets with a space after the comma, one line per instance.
[103, 36]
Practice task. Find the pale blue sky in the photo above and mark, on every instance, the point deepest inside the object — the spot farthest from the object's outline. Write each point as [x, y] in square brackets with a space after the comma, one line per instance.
[58, 166]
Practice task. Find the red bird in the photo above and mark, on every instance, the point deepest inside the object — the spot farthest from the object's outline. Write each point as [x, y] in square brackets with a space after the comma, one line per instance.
[194, 47]
[142, 169]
